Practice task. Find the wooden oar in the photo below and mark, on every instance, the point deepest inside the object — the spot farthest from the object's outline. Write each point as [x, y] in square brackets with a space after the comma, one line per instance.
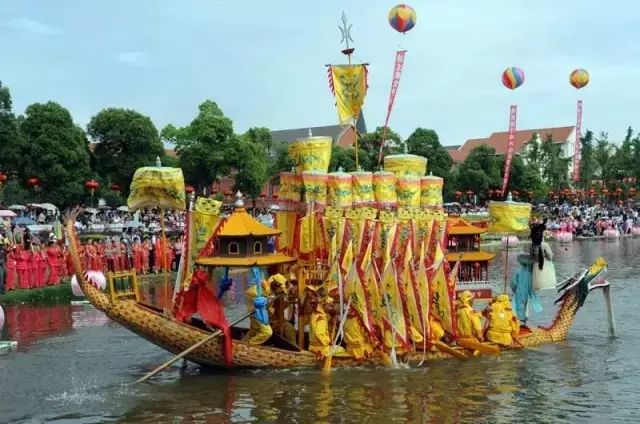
[189, 350]
[476, 345]
[451, 351]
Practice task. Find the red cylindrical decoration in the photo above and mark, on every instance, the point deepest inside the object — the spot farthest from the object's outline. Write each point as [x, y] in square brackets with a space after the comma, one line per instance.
[33, 182]
[116, 187]
[189, 189]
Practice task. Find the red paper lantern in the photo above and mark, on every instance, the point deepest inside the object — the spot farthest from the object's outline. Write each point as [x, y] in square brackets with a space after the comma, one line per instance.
[33, 182]
[632, 191]
[92, 185]
[274, 196]
[227, 193]
[3, 177]
[458, 194]
[189, 189]
[116, 187]
[263, 195]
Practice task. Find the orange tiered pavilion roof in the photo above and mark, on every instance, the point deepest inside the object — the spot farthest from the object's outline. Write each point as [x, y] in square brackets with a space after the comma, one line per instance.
[241, 224]
[460, 227]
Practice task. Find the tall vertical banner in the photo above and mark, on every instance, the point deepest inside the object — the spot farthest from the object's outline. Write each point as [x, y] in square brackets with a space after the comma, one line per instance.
[397, 73]
[511, 141]
[348, 84]
[576, 150]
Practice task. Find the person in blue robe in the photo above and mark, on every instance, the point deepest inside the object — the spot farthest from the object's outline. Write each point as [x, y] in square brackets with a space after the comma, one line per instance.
[522, 288]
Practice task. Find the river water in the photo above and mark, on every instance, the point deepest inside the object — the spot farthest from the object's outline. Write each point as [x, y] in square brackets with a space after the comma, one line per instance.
[74, 365]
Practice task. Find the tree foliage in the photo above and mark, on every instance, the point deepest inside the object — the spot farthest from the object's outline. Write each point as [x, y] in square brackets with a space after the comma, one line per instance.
[126, 140]
[12, 143]
[204, 146]
[58, 153]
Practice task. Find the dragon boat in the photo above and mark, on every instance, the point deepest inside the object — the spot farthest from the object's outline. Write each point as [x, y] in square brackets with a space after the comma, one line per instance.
[122, 302]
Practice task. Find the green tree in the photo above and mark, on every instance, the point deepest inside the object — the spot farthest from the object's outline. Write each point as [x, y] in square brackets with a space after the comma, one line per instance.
[369, 147]
[126, 140]
[480, 171]
[425, 142]
[205, 146]
[603, 155]
[58, 153]
[12, 143]
[249, 161]
[587, 161]
[261, 136]
[622, 164]
[525, 177]
[280, 160]
[555, 168]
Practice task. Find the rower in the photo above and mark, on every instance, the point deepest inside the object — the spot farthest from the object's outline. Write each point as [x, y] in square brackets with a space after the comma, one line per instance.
[469, 321]
[503, 325]
[355, 336]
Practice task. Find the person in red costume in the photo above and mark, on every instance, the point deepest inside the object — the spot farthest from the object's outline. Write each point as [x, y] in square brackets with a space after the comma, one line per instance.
[92, 256]
[146, 246]
[122, 256]
[101, 256]
[32, 268]
[163, 255]
[41, 262]
[23, 267]
[53, 260]
[67, 262]
[12, 269]
[136, 250]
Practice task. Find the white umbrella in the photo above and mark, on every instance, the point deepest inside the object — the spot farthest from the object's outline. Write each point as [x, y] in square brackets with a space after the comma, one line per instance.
[17, 207]
[48, 207]
[6, 213]
[123, 208]
[104, 207]
[92, 211]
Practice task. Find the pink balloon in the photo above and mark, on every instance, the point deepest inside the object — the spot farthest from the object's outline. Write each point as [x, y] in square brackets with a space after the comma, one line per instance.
[75, 287]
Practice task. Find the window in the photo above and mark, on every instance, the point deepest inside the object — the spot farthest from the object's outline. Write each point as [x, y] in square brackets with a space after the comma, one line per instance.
[257, 247]
[234, 248]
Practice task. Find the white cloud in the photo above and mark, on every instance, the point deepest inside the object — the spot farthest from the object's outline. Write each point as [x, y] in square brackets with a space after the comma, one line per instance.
[30, 25]
[138, 59]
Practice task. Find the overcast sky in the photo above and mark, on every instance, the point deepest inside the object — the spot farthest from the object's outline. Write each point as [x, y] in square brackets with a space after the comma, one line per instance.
[263, 61]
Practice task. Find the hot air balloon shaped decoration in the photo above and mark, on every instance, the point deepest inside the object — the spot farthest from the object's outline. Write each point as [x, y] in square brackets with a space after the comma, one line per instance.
[402, 18]
[579, 78]
[513, 77]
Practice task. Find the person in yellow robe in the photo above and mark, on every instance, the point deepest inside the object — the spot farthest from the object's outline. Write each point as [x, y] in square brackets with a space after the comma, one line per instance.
[356, 337]
[503, 324]
[258, 333]
[278, 286]
[436, 328]
[319, 337]
[469, 321]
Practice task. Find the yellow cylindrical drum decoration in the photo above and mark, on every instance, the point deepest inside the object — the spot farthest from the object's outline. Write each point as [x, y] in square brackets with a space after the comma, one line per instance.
[406, 165]
[384, 190]
[339, 190]
[362, 188]
[408, 191]
[431, 191]
[509, 217]
[311, 154]
[315, 187]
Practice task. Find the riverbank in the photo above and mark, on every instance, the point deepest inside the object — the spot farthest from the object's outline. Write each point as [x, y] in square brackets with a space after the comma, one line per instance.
[59, 293]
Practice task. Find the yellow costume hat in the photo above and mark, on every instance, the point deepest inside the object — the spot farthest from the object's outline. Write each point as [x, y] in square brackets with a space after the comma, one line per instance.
[279, 278]
[466, 296]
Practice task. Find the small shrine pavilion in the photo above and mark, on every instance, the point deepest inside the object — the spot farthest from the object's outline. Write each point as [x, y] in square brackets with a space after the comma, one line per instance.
[463, 244]
[242, 241]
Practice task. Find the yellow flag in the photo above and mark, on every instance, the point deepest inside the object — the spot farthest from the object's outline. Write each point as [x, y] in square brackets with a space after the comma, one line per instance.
[438, 257]
[333, 251]
[366, 259]
[206, 217]
[393, 301]
[349, 84]
[412, 304]
[391, 234]
[422, 284]
[408, 257]
[347, 260]
[441, 301]
[306, 237]
[377, 306]
[353, 288]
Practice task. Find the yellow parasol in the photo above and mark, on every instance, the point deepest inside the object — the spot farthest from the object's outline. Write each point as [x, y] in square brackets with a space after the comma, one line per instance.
[163, 187]
[508, 218]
